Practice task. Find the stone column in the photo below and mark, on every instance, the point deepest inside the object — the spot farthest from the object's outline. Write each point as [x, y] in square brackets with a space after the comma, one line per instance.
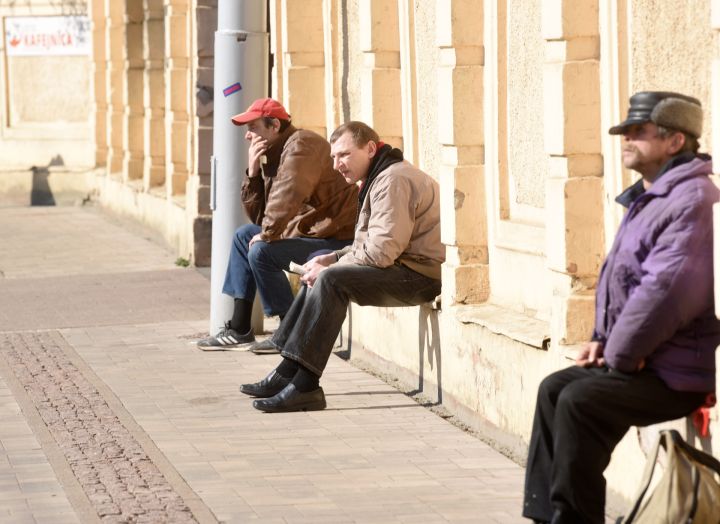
[153, 94]
[133, 128]
[198, 185]
[408, 80]
[381, 105]
[276, 76]
[99, 89]
[574, 240]
[303, 60]
[177, 98]
[332, 42]
[114, 75]
[463, 196]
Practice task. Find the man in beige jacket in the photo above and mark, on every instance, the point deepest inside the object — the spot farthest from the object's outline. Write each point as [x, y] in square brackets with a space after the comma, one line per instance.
[394, 260]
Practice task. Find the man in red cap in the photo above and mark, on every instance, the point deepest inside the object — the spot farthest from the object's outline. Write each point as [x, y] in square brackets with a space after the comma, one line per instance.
[297, 204]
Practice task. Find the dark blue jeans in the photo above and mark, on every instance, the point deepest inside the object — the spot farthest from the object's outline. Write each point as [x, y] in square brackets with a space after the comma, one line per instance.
[308, 331]
[260, 268]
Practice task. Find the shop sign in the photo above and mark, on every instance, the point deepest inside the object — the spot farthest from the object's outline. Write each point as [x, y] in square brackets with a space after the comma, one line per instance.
[47, 35]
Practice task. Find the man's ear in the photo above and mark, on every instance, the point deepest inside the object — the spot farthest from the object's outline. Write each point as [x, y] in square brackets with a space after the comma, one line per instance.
[677, 141]
[372, 148]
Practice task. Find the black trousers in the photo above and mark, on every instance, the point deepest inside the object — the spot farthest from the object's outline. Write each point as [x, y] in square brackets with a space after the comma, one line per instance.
[580, 416]
[311, 325]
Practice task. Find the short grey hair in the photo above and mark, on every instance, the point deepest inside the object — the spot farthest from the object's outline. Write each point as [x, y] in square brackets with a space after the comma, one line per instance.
[691, 145]
[361, 133]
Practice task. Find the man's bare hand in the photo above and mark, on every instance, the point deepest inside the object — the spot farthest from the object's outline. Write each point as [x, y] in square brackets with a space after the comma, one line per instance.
[590, 355]
[258, 146]
[315, 266]
[256, 238]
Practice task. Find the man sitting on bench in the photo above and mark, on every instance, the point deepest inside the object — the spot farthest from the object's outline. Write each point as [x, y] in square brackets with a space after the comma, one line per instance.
[652, 354]
[394, 260]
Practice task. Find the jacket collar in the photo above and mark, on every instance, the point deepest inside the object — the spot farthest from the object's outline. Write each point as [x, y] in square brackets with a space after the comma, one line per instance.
[694, 165]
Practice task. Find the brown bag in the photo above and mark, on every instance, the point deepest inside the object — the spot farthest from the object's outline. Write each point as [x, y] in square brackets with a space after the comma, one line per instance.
[688, 491]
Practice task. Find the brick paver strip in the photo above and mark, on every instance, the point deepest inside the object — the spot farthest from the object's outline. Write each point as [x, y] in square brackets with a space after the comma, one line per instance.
[120, 480]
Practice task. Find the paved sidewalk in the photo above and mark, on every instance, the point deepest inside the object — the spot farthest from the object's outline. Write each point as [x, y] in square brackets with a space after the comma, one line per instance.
[110, 414]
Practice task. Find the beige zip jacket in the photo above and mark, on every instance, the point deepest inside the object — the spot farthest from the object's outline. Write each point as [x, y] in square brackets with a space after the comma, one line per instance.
[399, 222]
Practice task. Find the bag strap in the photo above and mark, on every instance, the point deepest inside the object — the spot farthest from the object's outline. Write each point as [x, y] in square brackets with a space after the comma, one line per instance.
[698, 456]
[647, 476]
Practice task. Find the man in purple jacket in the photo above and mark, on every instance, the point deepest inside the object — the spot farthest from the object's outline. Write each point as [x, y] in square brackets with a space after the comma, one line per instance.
[652, 354]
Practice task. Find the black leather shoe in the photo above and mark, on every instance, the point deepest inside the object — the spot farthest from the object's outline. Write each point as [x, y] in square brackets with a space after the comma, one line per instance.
[290, 399]
[271, 385]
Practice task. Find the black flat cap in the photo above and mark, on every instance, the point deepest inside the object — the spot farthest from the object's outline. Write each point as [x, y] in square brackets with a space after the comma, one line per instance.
[663, 108]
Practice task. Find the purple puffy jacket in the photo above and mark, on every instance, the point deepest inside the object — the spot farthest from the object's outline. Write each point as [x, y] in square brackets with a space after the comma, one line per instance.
[655, 294]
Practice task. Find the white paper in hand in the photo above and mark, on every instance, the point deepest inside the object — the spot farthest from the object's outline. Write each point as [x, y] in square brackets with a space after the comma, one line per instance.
[296, 268]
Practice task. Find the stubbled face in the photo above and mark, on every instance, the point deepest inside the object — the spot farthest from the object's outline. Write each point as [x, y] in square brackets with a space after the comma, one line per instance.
[645, 152]
[256, 129]
[351, 161]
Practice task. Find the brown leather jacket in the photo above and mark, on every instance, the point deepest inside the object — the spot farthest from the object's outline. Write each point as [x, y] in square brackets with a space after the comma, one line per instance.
[299, 193]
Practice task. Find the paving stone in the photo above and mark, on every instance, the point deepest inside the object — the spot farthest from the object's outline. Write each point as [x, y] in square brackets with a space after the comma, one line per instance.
[107, 460]
[132, 317]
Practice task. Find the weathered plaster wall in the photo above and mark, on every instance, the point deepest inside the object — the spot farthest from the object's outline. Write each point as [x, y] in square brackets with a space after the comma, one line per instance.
[45, 100]
[672, 48]
[45, 89]
[354, 58]
[527, 160]
[427, 61]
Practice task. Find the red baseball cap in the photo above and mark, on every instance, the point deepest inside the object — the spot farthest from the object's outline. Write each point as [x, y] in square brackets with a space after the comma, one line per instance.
[260, 108]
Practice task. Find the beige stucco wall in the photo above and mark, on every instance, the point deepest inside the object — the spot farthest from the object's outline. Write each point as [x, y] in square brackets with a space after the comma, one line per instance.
[428, 143]
[672, 49]
[354, 60]
[527, 162]
[53, 89]
[46, 100]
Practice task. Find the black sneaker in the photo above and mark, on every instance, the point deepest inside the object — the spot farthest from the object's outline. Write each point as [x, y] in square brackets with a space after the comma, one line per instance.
[264, 347]
[227, 340]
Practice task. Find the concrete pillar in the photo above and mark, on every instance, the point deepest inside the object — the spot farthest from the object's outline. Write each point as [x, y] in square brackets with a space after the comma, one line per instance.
[177, 96]
[133, 127]
[381, 105]
[99, 87]
[574, 240]
[463, 196]
[332, 42]
[153, 95]
[303, 82]
[114, 75]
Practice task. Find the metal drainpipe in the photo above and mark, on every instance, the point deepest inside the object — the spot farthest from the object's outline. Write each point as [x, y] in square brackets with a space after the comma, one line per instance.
[240, 76]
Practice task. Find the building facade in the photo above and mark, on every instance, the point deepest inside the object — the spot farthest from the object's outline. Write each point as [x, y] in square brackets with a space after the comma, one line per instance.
[505, 102]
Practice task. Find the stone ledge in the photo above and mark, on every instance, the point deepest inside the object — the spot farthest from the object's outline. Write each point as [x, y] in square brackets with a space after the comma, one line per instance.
[511, 324]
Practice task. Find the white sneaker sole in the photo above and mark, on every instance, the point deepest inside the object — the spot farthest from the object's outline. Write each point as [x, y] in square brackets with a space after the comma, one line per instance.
[233, 347]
